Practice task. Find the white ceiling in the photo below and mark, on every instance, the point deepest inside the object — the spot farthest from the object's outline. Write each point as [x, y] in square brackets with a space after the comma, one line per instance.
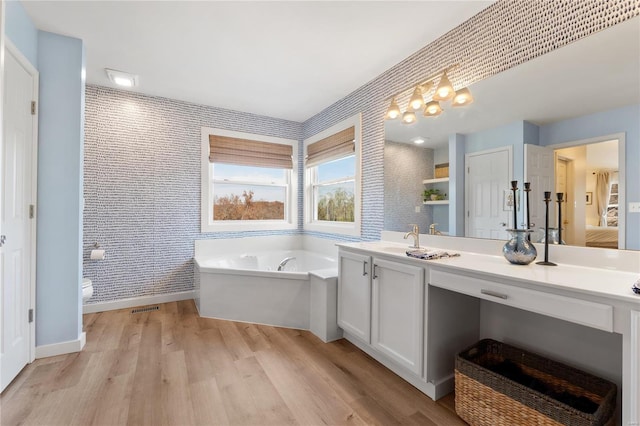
[287, 59]
[597, 73]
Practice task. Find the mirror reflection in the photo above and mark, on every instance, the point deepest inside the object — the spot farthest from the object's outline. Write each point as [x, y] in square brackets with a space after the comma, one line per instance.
[566, 122]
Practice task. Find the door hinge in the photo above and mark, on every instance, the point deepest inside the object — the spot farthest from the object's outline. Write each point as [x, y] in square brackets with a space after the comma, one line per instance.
[30, 315]
[33, 107]
[32, 211]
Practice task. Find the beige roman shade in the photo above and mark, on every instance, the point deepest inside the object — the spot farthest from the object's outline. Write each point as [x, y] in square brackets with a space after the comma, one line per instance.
[332, 147]
[245, 152]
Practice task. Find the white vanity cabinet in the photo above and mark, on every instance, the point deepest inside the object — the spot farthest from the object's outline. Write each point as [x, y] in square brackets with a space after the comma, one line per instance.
[381, 310]
[397, 311]
[354, 294]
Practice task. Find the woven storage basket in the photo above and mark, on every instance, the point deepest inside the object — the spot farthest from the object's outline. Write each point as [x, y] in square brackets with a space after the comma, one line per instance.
[484, 397]
[441, 170]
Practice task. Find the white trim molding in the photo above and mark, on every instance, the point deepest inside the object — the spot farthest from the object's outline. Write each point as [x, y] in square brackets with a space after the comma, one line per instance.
[62, 348]
[206, 225]
[137, 301]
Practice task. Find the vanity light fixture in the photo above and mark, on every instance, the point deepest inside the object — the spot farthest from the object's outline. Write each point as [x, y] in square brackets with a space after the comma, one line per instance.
[122, 78]
[444, 92]
[394, 110]
[432, 109]
[462, 97]
[418, 140]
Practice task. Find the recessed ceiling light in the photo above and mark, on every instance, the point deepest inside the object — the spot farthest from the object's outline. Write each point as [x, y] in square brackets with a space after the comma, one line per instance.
[418, 141]
[121, 78]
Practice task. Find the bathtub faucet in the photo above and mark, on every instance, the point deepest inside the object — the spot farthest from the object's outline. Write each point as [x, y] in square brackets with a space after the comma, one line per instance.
[284, 262]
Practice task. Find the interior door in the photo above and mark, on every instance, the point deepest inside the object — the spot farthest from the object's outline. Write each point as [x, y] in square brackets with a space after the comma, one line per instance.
[538, 170]
[17, 254]
[486, 189]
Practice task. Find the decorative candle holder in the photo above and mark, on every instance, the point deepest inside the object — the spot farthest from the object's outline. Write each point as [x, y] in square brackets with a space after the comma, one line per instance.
[547, 199]
[514, 188]
[527, 190]
[518, 250]
[559, 196]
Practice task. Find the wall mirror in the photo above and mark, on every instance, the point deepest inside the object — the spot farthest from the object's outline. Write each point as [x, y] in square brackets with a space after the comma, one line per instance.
[578, 104]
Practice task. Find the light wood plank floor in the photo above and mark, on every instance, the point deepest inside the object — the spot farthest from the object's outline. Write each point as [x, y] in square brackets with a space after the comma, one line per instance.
[173, 367]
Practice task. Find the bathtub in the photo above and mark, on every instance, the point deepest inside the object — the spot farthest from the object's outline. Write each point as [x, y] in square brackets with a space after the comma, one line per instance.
[247, 287]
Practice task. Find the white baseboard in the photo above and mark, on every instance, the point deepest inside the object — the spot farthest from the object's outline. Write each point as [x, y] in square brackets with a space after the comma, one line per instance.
[137, 301]
[62, 348]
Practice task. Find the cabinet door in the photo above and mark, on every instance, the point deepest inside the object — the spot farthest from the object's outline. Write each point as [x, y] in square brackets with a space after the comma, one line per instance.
[354, 295]
[397, 312]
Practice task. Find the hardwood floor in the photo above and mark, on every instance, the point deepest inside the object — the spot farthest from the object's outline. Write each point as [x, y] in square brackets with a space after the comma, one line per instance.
[172, 367]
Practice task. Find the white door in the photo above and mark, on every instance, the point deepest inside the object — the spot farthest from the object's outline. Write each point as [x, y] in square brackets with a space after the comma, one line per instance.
[487, 188]
[354, 295]
[538, 170]
[17, 254]
[397, 326]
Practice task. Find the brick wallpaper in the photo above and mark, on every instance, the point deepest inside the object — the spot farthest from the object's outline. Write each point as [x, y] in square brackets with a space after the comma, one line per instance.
[142, 183]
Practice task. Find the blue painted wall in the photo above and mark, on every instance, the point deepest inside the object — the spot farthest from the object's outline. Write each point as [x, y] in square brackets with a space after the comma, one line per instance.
[20, 30]
[60, 179]
[622, 120]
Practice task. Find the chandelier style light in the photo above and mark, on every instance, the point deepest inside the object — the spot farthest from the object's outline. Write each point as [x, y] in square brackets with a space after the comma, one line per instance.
[444, 92]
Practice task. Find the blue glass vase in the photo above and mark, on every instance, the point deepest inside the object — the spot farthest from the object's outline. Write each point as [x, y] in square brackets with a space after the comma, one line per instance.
[519, 250]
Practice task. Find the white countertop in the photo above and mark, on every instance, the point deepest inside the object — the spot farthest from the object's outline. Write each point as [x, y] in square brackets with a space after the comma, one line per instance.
[612, 284]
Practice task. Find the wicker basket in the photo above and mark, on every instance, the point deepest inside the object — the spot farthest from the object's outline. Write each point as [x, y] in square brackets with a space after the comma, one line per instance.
[441, 170]
[484, 397]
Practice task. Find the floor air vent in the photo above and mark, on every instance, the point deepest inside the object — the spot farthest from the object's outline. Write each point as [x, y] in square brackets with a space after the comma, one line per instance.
[148, 309]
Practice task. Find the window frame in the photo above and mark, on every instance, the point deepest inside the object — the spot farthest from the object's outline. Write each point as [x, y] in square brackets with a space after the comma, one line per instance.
[310, 182]
[207, 224]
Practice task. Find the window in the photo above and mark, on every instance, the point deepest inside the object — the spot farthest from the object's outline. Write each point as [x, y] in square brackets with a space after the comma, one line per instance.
[332, 179]
[248, 181]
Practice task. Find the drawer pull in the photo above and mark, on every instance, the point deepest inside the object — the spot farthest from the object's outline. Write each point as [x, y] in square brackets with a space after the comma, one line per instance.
[375, 275]
[494, 294]
[364, 268]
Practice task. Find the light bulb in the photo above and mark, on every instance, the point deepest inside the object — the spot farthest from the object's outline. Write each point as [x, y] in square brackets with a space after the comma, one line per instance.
[432, 109]
[409, 117]
[416, 102]
[462, 97]
[444, 91]
[394, 111]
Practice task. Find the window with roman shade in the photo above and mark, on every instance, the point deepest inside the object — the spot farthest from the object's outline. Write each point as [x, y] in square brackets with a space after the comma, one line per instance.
[332, 179]
[341, 144]
[249, 181]
[228, 150]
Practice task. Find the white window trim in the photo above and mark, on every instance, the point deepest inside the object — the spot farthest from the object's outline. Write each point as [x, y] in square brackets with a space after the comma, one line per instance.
[206, 203]
[354, 228]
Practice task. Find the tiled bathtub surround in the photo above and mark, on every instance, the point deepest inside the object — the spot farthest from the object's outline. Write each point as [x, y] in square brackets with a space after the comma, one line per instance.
[142, 154]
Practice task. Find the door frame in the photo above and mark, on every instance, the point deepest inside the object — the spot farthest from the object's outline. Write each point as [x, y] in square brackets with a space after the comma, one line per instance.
[622, 176]
[508, 148]
[24, 62]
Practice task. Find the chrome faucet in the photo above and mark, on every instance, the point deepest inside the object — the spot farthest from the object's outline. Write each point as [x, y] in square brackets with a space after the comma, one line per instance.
[415, 233]
[284, 262]
[433, 230]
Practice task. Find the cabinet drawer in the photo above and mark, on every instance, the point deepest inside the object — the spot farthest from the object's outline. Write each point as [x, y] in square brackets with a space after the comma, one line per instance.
[591, 314]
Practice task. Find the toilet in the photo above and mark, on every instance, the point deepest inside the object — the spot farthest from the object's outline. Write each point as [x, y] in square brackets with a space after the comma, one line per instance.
[87, 290]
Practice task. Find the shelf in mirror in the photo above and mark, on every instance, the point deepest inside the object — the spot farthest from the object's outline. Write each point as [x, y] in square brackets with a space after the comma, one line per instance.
[436, 202]
[437, 180]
